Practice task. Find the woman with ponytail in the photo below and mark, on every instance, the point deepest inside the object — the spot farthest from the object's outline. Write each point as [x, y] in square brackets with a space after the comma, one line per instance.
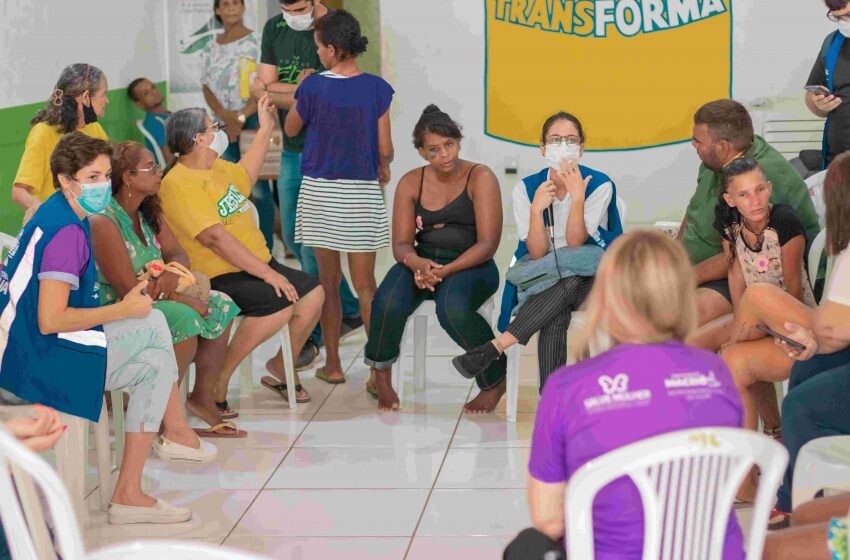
[78, 100]
[447, 222]
[346, 159]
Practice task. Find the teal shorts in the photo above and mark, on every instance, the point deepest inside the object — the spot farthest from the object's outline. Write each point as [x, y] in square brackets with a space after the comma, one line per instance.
[837, 538]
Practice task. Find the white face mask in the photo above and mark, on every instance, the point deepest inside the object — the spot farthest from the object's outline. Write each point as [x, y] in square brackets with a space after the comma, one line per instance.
[219, 143]
[556, 154]
[844, 28]
[299, 23]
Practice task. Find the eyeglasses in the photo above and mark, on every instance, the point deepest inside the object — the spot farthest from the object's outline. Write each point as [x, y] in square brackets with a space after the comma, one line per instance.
[555, 140]
[155, 169]
[835, 19]
[217, 125]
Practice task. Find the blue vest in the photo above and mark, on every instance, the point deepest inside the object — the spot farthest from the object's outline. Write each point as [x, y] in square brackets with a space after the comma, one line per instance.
[602, 238]
[66, 371]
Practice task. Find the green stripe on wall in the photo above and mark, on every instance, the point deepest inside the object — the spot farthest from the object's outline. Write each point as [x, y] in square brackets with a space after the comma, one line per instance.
[119, 123]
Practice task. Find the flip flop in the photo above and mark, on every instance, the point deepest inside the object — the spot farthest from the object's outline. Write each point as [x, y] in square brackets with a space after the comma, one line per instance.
[320, 374]
[280, 388]
[371, 390]
[225, 411]
[216, 431]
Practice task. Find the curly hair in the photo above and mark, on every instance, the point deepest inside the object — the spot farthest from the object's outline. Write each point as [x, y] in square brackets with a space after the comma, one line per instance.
[342, 30]
[61, 109]
[127, 157]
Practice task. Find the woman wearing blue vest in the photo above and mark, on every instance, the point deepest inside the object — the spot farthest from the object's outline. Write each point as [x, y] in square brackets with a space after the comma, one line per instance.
[60, 348]
[583, 204]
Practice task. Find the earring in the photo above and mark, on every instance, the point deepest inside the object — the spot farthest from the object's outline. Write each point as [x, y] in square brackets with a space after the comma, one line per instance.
[129, 191]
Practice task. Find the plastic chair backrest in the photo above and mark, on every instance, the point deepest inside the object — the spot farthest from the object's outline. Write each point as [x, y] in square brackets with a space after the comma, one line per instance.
[21, 541]
[790, 136]
[169, 550]
[157, 152]
[687, 481]
[815, 185]
[815, 253]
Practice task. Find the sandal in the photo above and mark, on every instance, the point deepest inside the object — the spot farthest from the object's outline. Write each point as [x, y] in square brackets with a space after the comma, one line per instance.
[775, 433]
[371, 390]
[218, 431]
[320, 374]
[225, 411]
[280, 388]
[778, 520]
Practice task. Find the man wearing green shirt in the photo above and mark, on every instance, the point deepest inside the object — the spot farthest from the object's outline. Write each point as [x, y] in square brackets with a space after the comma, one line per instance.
[723, 131]
[287, 56]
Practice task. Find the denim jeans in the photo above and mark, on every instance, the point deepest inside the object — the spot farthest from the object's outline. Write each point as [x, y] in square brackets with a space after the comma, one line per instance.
[288, 187]
[816, 406]
[457, 297]
[262, 190]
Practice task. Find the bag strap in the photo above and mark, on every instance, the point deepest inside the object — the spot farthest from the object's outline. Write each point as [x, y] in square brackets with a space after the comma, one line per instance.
[180, 270]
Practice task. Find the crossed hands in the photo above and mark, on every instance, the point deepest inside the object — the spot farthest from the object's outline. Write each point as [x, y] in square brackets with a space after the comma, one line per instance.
[426, 273]
[39, 432]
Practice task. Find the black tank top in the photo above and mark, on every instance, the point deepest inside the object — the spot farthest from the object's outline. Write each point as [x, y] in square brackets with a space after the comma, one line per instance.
[457, 218]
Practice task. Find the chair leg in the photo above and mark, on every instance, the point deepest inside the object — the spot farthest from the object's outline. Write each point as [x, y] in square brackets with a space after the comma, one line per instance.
[70, 464]
[104, 460]
[420, 348]
[117, 398]
[398, 368]
[512, 382]
[288, 365]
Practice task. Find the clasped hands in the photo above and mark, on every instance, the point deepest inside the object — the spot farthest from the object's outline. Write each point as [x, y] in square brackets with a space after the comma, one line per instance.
[426, 273]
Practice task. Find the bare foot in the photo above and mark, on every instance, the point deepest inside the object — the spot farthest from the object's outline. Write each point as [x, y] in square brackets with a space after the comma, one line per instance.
[486, 401]
[387, 397]
[275, 367]
[205, 409]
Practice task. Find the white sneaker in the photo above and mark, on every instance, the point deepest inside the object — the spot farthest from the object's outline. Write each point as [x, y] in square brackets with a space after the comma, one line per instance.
[161, 512]
[168, 450]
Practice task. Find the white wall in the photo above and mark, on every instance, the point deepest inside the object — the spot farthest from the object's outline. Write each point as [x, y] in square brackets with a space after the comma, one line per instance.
[433, 52]
[124, 38]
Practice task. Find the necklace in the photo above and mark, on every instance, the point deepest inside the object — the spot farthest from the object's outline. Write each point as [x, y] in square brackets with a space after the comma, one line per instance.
[759, 235]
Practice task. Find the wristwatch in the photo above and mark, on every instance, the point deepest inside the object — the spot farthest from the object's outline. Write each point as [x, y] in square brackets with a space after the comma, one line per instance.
[241, 118]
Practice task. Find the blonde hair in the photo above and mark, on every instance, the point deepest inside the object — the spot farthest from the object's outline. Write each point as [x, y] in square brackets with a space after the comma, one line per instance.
[644, 292]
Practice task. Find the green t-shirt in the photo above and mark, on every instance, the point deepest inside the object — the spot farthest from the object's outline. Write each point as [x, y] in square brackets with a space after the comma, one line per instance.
[701, 238]
[291, 51]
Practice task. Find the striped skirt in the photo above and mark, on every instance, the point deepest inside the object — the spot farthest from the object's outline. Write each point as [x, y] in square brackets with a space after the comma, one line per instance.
[342, 215]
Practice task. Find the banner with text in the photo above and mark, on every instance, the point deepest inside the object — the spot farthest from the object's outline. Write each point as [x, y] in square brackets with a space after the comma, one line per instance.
[633, 71]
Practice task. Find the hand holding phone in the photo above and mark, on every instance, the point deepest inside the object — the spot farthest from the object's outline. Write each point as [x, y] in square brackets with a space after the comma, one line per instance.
[787, 340]
[818, 90]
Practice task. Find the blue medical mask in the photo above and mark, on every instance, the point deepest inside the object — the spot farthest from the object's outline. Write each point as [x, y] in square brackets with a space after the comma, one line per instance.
[94, 197]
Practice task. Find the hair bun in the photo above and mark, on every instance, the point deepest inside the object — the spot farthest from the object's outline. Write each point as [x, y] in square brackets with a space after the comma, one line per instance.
[431, 109]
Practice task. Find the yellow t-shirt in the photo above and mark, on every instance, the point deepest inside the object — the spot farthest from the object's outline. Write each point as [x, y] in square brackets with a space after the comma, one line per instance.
[194, 200]
[34, 169]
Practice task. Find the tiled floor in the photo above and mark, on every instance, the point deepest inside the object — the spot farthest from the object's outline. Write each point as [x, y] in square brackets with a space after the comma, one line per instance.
[337, 479]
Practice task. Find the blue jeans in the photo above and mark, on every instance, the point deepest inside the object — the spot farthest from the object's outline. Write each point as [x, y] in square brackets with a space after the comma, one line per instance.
[816, 406]
[261, 191]
[288, 187]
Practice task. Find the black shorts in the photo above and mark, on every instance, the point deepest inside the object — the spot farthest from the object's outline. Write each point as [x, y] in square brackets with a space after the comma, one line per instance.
[255, 297]
[720, 286]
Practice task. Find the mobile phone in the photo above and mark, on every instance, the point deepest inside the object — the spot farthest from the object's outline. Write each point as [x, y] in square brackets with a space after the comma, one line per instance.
[789, 341]
[822, 90]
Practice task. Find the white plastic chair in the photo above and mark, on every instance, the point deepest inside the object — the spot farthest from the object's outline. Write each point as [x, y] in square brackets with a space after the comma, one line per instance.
[687, 481]
[419, 342]
[23, 519]
[823, 463]
[815, 253]
[169, 550]
[157, 152]
[815, 185]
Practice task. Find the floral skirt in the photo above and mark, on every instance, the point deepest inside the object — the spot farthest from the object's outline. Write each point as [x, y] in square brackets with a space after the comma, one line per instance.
[185, 322]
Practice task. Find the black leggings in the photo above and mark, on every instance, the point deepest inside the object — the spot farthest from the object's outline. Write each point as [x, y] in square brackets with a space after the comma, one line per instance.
[549, 312]
[531, 544]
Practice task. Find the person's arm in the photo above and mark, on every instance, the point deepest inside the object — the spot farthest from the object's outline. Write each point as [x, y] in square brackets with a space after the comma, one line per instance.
[54, 315]
[385, 147]
[792, 265]
[487, 201]
[23, 197]
[111, 256]
[712, 268]
[225, 245]
[537, 241]
[294, 123]
[737, 284]
[404, 218]
[253, 159]
[546, 505]
[232, 124]
[576, 233]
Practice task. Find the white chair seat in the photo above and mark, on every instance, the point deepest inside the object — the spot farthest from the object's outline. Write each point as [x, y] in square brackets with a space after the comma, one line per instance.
[169, 550]
[823, 463]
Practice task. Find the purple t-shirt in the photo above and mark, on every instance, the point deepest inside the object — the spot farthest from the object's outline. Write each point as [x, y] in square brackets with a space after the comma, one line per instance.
[341, 115]
[663, 388]
[66, 257]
